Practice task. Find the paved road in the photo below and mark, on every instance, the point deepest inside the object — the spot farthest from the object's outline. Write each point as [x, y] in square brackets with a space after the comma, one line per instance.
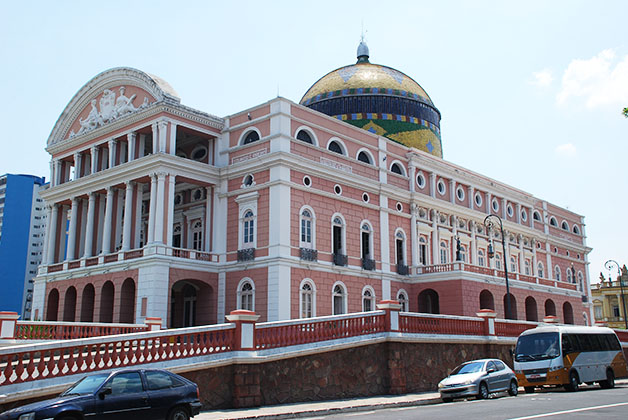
[588, 403]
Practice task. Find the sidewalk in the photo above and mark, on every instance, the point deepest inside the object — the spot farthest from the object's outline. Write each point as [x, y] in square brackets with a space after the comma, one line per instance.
[322, 408]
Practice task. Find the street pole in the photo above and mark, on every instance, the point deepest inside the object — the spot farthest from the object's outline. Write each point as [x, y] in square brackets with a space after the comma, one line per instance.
[489, 225]
[608, 266]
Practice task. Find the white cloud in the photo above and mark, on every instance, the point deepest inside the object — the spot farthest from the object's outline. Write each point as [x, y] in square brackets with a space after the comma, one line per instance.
[598, 81]
[542, 78]
[566, 150]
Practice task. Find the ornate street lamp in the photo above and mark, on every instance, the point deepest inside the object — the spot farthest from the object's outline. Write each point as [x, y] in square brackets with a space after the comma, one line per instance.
[488, 222]
[609, 264]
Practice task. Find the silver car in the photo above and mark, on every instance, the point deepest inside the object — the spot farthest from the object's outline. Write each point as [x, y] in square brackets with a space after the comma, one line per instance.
[478, 378]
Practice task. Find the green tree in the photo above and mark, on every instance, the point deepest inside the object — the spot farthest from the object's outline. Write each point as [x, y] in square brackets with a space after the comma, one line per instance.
[625, 112]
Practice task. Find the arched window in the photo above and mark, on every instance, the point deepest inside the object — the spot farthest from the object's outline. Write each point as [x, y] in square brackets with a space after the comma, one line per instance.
[481, 259]
[564, 226]
[339, 300]
[513, 264]
[400, 247]
[553, 221]
[246, 296]
[580, 281]
[176, 235]
[463, 253]
[338, 241]
[550, 308]
[539, 269]
[335, 147]
[307, 231]
[429, 302]
[197, 235]
[526, 267]
[569, 275]
[536, 216]
[368, 300]
[576, 229]
[402, 298]
[308, 299]
[557, 273]
[248, 230]
[251, 137]
[498, 260]
[397, 168]
[305, 137]
[444, 252]
[366, 244]
[531, 311]
[365, 157]
[486, 300]
[422, 250]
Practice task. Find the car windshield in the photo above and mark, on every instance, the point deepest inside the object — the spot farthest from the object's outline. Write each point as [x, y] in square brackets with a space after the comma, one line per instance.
[539, 346]
[472, 367]
[87, 385]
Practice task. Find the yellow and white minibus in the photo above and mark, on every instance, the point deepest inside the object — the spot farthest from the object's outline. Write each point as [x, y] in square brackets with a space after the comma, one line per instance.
[568, 356]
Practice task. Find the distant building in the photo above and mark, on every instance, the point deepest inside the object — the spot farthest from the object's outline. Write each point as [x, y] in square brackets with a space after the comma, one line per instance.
[22, 231]
[608, 307]
[291, 210]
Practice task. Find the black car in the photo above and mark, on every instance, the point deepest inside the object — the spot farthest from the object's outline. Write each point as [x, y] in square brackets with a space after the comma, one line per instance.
[135, 394]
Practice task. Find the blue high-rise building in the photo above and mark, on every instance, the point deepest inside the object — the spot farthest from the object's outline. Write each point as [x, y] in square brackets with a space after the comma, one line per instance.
[22, 232]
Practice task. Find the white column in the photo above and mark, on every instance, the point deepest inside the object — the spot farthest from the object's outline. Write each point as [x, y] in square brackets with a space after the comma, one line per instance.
[117, 229]
[412, 170]
[518, 213]
[106, 237]
[131, 146]
[159, 208]
[89, 227]
[139, 192]
[142, 146]
[504, 214]
[452, 191]
[150, 235]
[155, 128]
[521, 256]
[52, 234]
[44, 251]
[170, 210]
[163, 132]
[112, 153]
[471, 193]
[435, 238]
[208, 212]
[77, 165]
[432, 184]
[94, 162]
[128, 216]
[58, 175]
[71, 251]
[474, 244]
[173, 139]
[413, 234]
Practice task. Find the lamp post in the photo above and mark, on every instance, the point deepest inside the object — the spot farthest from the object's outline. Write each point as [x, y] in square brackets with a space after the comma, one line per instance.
[608, 265]
[489, 223]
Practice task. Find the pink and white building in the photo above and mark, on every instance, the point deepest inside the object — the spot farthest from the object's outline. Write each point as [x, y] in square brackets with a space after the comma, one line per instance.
[156, 209]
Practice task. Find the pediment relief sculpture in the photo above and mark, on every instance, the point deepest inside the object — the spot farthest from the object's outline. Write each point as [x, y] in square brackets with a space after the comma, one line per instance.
[111, 108]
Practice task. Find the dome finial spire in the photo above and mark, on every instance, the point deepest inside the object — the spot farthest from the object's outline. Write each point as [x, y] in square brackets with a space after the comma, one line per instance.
[363, 49]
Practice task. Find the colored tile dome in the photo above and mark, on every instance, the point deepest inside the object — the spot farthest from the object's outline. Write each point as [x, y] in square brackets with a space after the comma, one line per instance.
[379, 99]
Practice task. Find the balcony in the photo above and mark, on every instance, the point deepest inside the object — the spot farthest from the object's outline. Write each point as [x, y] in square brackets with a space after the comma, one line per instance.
[340, 259]
[368, 264]
[403, 270]
[246, 254]
[308, 254]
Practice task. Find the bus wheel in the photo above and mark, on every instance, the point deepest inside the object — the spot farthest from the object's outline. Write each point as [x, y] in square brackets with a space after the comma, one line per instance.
[573, 382]
[610, 380]
[528, 389]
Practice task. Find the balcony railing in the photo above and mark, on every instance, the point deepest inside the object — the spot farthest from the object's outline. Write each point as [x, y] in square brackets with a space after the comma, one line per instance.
[368, 264]
[308, 254]
[403, 269]
[246, 254]
[340, 259]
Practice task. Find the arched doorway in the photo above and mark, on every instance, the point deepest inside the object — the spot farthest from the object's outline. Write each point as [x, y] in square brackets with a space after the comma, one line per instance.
[486, 300]
[69, 305]
[550, 308]
[531, 311]
[127, 301]
[567, 313]
[52, 310]
[87, 303]
[106, 302]
[191, 304]
[428, 302]
[513, 306]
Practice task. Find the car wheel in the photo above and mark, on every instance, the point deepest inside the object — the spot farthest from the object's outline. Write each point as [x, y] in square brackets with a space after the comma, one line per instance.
[528, 389]
[447, 399]
[513, 390]
[610, 380]
[573, 382]
[483, 391]
[179, 413]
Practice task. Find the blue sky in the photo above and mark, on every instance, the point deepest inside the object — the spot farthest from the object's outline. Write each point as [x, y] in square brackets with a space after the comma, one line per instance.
[530, 92]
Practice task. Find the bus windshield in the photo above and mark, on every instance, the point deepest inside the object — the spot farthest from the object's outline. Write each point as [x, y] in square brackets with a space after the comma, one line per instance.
[537, 347]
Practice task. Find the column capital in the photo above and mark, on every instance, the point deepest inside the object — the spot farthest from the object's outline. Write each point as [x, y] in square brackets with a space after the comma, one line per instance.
[131, 135]
[129, 184]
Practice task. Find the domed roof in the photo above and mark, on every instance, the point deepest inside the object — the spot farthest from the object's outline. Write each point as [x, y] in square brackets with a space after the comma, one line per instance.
[379, 99]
